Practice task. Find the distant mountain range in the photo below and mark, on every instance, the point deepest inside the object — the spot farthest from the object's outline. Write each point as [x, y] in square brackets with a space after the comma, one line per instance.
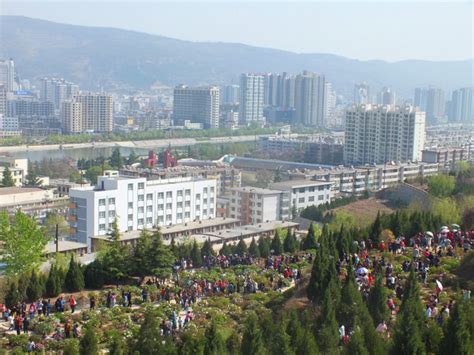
[111, 58]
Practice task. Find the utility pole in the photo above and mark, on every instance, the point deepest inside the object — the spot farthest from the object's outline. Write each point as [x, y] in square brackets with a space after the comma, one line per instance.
[57, 238]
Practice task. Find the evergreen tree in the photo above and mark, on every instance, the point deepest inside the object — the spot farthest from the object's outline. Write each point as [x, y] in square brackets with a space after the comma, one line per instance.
[173, 247]
[409, 327]
[54, 282]
[253, 249]
[282, 341]
[233, 344]
[308, 346]
[252, 341]
[329, 333]
[206, 249]
[74, 277]
[191, 344]
[88, 344]
[264, 247]
[376, 302]
[310, 241]
[149, 339]
[23, 282]
[290, 244]
[117, 346]
[116, 160]
[196, 255]
[459, 333]
[13, 297]
[132, 158]
[376, 229]
[7, 180]
[276, 245]
[356, 343]
[241, 248]
[32, 178]
[71, 347]
[214, 344]
[35, 287]
[226, 249]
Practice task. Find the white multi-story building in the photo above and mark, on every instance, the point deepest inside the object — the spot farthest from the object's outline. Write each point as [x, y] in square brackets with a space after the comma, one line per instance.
[251, 98]
[310, 99]
[362, 94]
[17, 167]
[138, 203]
[7, 74]
[253, 205]
[383, 133]
[461, 108]
[197, 105]
[57, 91]
[305, 193]
[3, 100]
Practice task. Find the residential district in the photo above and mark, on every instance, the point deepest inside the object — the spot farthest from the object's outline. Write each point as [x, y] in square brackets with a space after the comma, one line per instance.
[356, 210]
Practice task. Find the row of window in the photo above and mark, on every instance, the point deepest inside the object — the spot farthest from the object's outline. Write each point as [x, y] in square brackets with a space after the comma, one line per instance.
[111, 201]
[169, 194]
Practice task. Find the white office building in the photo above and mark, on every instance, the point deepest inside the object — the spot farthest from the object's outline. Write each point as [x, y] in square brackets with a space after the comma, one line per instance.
[383, 133]
[138, 203]
[251, 98]
[197, 105]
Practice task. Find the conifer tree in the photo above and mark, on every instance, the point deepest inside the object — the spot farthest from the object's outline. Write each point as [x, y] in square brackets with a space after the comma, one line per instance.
[328, 335]
[252, 341]
[356, 342]
[376, 229]
[214, 344]
[206, 249]
[376, 302]
[54, 282]
[459, 333]
[310, 241]
[264, 247]
[173, 247]
[308, 345]
[7, 179]
[88, 344]
[409, 327]
[12, 297]
[35, 287]
[253, 249]
[149, 339]
[241, 248]
[226, 249]
[282, 341]
[276, 245]
[116, 160]
[196, 255]
[74, 277]
[290, 244]
[71, 347]
[233, 344]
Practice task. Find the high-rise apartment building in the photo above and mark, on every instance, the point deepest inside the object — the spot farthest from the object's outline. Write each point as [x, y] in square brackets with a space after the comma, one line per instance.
[361, 94]
[7, 74]
[230, 94]
[432, 101]
[387, 96]
[310, 99]
[251, 98]
[88, 112]
[329, 103]
[461, 108]
[288, 92]
[197, 104]
[3, 100]
[383, 133]
[57, 91]
[71, 117]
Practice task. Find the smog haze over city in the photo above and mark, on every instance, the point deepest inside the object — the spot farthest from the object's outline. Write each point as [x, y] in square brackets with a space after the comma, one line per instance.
[236, 177]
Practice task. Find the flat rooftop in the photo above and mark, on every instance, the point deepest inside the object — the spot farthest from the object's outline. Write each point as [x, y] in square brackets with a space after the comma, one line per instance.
[255, 190]
[18, 190]
[177, 228]
[298, 183]
[64, 246]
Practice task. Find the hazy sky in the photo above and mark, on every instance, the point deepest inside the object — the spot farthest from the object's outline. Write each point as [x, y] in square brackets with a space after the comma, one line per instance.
[380, 29]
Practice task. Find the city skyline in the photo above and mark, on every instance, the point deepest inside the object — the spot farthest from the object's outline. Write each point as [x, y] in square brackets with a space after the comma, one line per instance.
[418, 38]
